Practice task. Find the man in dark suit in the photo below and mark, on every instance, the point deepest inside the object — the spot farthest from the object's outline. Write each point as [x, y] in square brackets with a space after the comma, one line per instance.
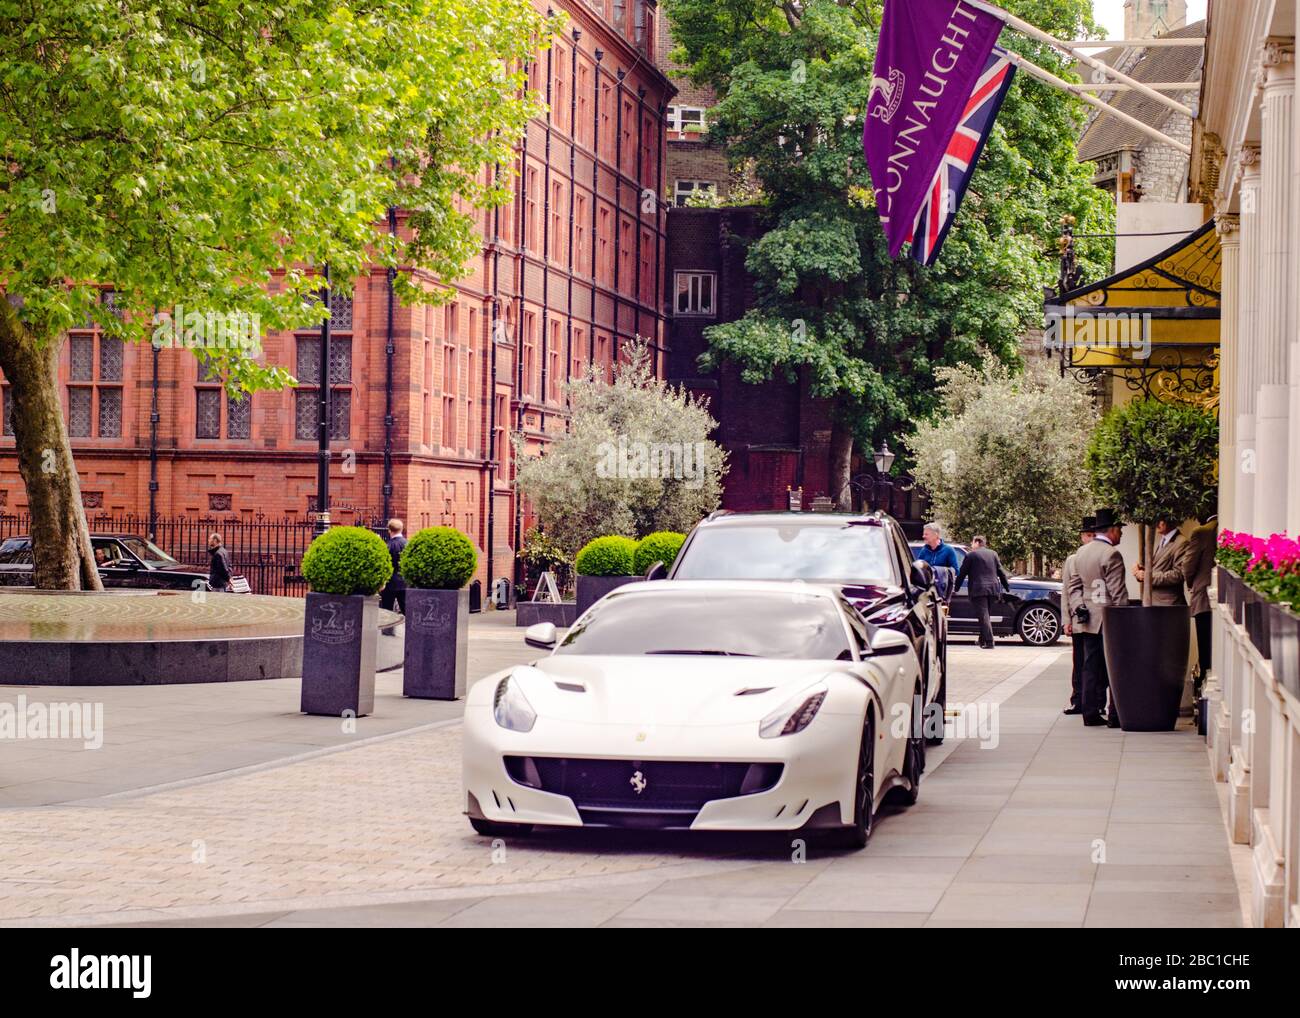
[1096, 582]
[988, 580]
[394, 592]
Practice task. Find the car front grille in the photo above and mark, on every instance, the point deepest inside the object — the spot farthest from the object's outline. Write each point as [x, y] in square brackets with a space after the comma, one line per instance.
[654, 786]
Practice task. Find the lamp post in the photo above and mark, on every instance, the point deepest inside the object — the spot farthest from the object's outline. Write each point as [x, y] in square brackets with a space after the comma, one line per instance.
[884, 458]
[323, 416]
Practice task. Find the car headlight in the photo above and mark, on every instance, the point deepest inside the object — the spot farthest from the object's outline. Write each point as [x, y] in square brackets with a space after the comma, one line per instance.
[794, 715]
[511, 708]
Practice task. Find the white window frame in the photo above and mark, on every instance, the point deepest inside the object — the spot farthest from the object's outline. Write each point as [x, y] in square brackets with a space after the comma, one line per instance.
[677, 121]
[695, 307]
[682, 193]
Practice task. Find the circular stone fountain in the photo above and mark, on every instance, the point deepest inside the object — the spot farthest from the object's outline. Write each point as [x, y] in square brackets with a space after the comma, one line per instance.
[56, 638]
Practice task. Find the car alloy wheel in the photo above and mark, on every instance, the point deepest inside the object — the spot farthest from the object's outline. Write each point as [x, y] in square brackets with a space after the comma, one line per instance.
[864, 791]
[1039, 626]
[913, 758]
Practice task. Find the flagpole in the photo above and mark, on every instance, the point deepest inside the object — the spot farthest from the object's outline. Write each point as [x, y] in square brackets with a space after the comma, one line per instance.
[1051, 79]
[1037, 33]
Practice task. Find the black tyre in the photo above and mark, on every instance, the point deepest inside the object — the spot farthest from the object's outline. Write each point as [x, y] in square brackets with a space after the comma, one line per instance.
[489, 829]
[1038, 624]
[864, 791]
[913, 760]
[934, 712]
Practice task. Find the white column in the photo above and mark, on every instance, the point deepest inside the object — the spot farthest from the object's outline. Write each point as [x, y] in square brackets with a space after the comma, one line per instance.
[1276, 297]
[1248, 336]
[1229, 299]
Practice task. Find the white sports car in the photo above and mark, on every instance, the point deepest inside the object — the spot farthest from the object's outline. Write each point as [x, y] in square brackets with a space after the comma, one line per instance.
[709, 705]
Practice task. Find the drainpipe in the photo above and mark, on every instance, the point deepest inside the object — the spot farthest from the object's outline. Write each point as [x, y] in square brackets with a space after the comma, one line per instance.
[323, 415]
[640, 169]
[661, 329]
[573, 187]
[492, 388]
[544, 374]
[389, 351]
[618, 204]
[595, 201]
[521, 261]
[153, 449]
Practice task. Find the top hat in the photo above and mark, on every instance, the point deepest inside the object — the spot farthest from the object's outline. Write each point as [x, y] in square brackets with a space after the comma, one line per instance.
[1105, 519]
[1088, 525]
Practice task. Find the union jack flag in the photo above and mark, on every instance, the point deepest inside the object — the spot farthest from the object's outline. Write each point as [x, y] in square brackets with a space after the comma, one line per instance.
[963, 152]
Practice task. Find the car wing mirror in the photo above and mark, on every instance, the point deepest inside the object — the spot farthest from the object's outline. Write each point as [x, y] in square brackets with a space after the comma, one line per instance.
[885, 642]
[657, 571]
[541, 635]
[922, 574]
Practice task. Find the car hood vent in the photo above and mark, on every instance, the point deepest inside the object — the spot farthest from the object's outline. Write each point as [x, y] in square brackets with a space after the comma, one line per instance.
[754, 690]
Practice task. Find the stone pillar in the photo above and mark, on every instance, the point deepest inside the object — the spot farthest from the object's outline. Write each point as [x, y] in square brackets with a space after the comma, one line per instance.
[1248, 336]
[1229, 347]
[1276, 294]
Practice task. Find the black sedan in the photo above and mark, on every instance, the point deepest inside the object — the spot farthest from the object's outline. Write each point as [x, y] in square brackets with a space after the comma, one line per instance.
[125, 560]
[865, 555]
[1032, 611]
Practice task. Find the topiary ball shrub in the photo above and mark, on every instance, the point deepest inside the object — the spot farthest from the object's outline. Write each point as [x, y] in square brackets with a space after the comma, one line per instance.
[438, 558]
[347, 560]
[606, 556]
[661, 546]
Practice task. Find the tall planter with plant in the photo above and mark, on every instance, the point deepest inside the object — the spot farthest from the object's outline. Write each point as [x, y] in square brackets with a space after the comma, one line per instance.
[1152, 460]
[436, 564]
[602, 565]
[345, 568]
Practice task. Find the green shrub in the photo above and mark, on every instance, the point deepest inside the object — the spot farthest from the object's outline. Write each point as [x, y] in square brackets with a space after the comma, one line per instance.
[347, 560]
[662, 546]
[438, 558]
[606, 556]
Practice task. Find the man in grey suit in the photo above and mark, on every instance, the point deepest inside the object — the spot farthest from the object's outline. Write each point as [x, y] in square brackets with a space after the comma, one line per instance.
[1198, 565]
[987, 582]
[1067, 608]
[1097, 582]
[1167, 574]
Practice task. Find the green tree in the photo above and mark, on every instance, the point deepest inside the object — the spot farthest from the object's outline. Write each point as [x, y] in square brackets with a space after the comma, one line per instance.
[637, 458]
[189, 152]
[868, 332]
[1004, 457]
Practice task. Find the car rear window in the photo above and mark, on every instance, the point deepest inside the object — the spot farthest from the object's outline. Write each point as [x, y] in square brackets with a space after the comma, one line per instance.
[839, 554]
[716, 624]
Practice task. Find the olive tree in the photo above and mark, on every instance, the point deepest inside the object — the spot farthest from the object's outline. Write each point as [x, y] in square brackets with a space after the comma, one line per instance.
[193, 152]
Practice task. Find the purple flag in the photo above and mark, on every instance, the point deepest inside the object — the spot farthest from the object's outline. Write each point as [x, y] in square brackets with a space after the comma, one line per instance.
[930, 58]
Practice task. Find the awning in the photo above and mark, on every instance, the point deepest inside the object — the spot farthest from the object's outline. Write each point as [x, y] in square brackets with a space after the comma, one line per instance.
[1155, 325]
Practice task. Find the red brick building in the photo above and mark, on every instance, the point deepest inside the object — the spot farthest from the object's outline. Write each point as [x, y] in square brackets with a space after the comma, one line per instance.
[570, 271]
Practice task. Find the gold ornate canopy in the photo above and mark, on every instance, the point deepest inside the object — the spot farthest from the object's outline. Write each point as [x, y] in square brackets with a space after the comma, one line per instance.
[1154, 326]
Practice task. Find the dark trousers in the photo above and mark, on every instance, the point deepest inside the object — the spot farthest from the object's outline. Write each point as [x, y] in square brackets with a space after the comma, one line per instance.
[1076, 672]
[388, 598]
[983, 604]
[1203, 655]
[1095, 679]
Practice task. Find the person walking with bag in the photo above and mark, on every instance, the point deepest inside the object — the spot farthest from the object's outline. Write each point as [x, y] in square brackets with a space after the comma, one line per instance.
[219, 571]
[1096, 583]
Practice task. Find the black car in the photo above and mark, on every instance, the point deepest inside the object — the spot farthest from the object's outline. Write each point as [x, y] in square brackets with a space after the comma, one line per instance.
[1032, 611]
[125, 560]
[865, 555]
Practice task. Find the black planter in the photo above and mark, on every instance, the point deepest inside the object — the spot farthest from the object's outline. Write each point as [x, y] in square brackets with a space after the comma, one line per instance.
[1146, 656]
[562, 615]
[437, 644]
[592, 588]
[338, 654]
[1257, 622]
[1223, 580]
[1284, 641]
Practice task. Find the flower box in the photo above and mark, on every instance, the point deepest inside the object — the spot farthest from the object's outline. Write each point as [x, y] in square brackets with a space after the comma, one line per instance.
[1284, 637]
[1257, 619]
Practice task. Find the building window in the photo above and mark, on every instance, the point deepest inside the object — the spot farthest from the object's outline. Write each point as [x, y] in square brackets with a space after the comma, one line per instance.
[340, 381]
[530, 207]
[7, 411]
[695, 293]
[684, 190]
[95, 407]
[685, 123]
[239, 415]
[207, 419]
[450, 387]
[529, 365]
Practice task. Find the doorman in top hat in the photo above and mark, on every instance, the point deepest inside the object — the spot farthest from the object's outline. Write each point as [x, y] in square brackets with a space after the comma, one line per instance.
[1097, 582]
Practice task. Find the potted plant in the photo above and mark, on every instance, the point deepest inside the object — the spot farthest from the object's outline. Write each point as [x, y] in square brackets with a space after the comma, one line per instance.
[436, 564]
[345, 567]
[602, 565]
[659, 548]
[542, 554]
[1152, 460]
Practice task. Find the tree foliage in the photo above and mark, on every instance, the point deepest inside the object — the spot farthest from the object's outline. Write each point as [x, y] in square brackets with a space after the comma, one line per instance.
[637, 458]
[1152, 460]
[870, 333]
[1004, 457]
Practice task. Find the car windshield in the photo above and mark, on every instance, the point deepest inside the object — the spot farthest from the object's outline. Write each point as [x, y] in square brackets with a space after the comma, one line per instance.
[771, 551]
[148, 552]
[16, 551]
[716, 624]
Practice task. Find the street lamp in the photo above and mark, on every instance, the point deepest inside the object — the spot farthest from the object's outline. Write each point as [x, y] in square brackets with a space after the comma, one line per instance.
[884, 458]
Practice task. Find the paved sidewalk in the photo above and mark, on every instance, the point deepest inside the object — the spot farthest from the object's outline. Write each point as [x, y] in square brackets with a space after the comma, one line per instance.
[373, 835]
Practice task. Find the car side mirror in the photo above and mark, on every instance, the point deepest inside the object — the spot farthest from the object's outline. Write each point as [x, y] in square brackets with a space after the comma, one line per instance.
[885, 642]
[541, 635]
[657, 571]
[922, 574]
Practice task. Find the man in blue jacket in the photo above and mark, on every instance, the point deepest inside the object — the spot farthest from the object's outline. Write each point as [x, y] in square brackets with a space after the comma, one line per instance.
[937, 553]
